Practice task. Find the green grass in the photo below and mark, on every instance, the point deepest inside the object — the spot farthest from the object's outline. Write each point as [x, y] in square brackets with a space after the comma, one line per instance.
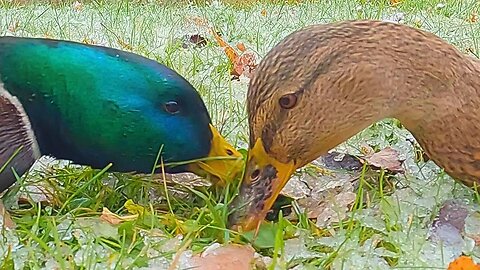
[387, 226]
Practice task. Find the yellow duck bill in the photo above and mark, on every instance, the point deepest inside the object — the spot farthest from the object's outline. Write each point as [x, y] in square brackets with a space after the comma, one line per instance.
[223, 162]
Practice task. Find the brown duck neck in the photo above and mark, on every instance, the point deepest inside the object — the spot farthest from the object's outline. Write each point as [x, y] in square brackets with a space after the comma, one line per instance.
[425, 83]
[410, 75]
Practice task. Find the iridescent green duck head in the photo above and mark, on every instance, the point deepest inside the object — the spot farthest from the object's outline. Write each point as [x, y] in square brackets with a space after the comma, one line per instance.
[95, 105]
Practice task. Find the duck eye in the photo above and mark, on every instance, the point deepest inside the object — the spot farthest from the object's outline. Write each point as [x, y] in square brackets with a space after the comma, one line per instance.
[172, 107]
[288, 101]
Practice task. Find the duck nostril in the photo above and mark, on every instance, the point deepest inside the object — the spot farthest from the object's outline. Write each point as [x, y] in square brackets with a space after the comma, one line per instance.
[229, 152]
[255, 174]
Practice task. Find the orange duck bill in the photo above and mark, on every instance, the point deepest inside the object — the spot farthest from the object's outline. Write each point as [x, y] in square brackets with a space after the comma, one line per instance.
[263, 180]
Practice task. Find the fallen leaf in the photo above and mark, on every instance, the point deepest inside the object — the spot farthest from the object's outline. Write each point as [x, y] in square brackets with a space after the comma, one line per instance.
[335, 209]
[14, 27]
[77, 6]
[337, 160]
[395, 2]
[171, 245]
[39, 192]
[366, 150]
[134, 208]
[198, 21]
[196, 40]
[472, 227]
[243, 64]
[5, 216]
[463, 263]
[448, 226]
[454, 213]
[124, 44]
[115, 219]
[89, 41]
[40, 181]
[229, 50]
[241, 47]
[217, 257]
[473, 17]
[263, 12]
[318, 194]
[48, 35]
[387, 159]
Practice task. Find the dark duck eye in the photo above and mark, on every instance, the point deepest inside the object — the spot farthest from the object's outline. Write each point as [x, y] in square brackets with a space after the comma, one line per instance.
[172, 107]
[288, 101]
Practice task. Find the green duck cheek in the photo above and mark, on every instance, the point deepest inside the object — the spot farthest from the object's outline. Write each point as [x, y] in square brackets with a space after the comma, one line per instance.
[132, 138]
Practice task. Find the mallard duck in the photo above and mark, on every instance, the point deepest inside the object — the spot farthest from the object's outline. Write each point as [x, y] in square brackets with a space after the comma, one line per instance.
[323, 84]
[95, 105]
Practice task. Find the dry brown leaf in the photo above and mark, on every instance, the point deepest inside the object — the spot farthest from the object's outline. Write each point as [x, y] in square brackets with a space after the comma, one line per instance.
[473, 17]
[449, 225]
[7, 220]
[198, 21]
[337, 160]
[387, 159]
[453, 213]
[77, 6]
[463, 263]
[48, 35]
[14, 27]
[229, 50]
[395, 2]
[89, 41]
[263, 12]
[232, 256]
[124, 45]
[115, 219]
[242, 64]
[245, 65]
[241, 47]
[366, 150]
[37, 193]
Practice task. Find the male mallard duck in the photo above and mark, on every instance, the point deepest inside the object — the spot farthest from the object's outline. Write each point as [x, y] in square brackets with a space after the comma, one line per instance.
[95, 105]
[323, 84]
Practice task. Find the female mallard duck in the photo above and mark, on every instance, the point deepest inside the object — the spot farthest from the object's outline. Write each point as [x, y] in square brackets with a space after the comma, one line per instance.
[323, 84]
[96, 105]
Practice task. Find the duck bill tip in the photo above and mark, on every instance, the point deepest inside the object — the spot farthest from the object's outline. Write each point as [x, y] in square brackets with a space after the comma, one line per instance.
[263, 181]
[223, 162]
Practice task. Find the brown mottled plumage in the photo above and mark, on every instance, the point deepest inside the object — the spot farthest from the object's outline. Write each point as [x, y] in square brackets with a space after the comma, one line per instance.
[337, 79]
